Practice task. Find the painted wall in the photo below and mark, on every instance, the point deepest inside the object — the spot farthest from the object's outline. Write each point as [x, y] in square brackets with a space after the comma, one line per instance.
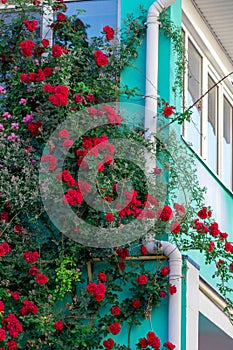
[136, 76]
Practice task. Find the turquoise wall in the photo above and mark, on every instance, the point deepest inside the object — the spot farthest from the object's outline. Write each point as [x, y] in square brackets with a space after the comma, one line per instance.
[136, 76]
[156, 323]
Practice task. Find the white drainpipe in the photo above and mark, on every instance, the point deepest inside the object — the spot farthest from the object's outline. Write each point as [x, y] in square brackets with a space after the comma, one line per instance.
[175, 265]
[151, 94]
[152, 63]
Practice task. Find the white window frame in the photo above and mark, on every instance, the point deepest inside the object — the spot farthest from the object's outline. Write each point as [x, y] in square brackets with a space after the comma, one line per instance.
[212, 67]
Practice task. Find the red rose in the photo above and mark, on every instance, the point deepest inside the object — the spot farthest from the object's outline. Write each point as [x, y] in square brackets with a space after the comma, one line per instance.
[99, 296]
[164, 214]
[40, 75]
[64, 134]
[31, 25]
[45, 42]
[108, 343]
[172, 289]
[153, 340]
[164, 271]
[144, 250]
[175, 227]
[49, 88]
[228, 247]
[15, 295]
[68, 178]
[27, 46]
[25, 78]
[35, 128]
[41, 278]
[11, 345]
[101, 58]
[73, 197]
[48, 71]
[123, 253]
[143, 343]
[214, 230]
[115, 310]
[12, 324]
[18, 228]
[203, 213]
[136, 304]
[114, 328]
[180, 209]
[4, 216]
[109, 217]
[168, 111]
[91, 287]
[61, 89]
[109, 32]
[142, 280]
[58, 325]
[29, 307]
[2, 334]
[211, 247]
[57, 51]
[61, 17]
[90, 98]
[31, 257]
[100, 167]
[5, 248]
[102, 277]
[2, 306]
[169, 345]
[67, 144]
[162, 294]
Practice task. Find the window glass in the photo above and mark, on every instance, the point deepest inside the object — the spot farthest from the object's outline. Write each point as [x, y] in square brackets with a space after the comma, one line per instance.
[193, 132]
[227, 143]
[212, 124]
[99, 13]
[8, 16]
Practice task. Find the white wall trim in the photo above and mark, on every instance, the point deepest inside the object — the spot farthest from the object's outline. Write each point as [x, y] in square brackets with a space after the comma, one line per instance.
[210, 303]
[192, 306]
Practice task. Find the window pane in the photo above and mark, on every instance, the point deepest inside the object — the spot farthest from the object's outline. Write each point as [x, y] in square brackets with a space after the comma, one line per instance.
[194, 92]
[99, 13]
[212, 124]
[227, 143]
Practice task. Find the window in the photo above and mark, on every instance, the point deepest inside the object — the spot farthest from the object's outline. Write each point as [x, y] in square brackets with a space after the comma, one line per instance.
[227, 153]
[98, 13]
[194, 92]
[212, 125]
[210, 130]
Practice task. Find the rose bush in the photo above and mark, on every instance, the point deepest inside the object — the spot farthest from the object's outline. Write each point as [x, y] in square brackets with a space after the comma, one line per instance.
[46, 301]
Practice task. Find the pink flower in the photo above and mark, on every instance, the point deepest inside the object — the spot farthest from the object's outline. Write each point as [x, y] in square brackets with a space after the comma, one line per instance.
[23, 101]
[14, 126]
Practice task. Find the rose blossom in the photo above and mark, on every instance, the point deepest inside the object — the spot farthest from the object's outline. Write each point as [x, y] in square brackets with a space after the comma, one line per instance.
[142, 280]
[108, 343]
[58, 325]
[115, 310]
[114, 328]
[41, 278]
